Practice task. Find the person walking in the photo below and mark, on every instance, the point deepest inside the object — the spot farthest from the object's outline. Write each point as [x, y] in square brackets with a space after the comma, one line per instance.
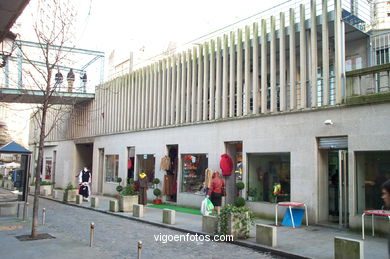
[216, 191]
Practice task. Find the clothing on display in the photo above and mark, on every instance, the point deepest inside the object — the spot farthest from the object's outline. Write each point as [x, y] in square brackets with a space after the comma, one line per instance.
[226, 165]
[168, 185]
[208, 177]
[165, 164]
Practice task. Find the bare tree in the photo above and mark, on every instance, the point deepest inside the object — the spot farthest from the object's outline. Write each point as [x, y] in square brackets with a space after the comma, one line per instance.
[52, 29]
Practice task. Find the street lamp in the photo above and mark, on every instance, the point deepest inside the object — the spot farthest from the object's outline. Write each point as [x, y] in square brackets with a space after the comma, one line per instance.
[6, 47]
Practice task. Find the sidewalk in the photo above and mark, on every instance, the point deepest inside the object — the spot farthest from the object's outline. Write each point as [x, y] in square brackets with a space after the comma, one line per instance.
[313, 241]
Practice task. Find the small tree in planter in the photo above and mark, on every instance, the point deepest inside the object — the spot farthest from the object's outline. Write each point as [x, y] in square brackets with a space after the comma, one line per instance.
[236, 220]
[252, 192]
[119, 188]
[128, 197]
[157, 193]
[156, 182]
[240, 186]
[70, 193]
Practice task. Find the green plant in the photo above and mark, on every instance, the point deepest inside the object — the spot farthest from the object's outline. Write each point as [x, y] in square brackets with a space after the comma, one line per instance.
[240, 186]
[157, 192]
[129, 190]
[156, 181]
[119, 188]
[119, 180]
[246, 222]
[1, 176]
[240, 202]
[252, 192]
[46, 183]
[69, 187]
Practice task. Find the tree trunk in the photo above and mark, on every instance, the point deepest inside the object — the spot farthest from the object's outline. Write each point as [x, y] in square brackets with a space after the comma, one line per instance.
[38, 172]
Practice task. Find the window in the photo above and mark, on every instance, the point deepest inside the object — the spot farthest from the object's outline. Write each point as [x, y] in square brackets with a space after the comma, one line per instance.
[146, 164]
[193, 175]
[269, 177]
[112, 162]
[48, 167]
[372, 169]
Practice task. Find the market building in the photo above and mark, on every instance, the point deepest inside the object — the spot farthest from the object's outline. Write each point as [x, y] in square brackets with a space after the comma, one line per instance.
[298, 98]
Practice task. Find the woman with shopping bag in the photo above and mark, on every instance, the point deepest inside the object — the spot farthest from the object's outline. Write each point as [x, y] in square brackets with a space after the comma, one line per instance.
[216, 191]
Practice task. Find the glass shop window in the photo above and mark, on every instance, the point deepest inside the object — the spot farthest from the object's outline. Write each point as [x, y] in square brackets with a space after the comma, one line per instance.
[112, 164]
[146, 164]
[193, 173]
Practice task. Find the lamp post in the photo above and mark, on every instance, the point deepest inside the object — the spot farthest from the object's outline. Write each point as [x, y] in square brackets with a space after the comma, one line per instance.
[7, 45]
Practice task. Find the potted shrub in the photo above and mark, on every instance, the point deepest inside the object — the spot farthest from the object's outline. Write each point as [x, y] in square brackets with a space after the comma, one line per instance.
[157, 193]
[156, 182]
[119, 188]
[252, 194]
[240, 186]
[70, 193]
[128, 197]
[236, 220]
[46, 186]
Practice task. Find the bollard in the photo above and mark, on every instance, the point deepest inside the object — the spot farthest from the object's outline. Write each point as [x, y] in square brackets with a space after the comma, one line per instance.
[43, 216]
[91, 234]
[139, 249]
[25, 211]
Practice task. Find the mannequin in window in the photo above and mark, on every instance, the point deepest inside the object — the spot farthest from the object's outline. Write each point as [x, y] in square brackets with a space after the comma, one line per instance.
[85, 179]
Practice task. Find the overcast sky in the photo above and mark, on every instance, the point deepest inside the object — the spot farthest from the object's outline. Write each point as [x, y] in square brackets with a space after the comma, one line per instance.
[129, 24]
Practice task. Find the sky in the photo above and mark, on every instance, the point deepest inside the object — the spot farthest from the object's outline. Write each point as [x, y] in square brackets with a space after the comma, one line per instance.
[151, 24]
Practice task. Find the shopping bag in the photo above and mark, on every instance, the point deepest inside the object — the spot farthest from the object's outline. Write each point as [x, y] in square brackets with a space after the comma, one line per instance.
[209, 205]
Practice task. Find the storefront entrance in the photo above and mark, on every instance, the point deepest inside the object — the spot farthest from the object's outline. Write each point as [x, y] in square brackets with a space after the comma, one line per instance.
[234, 150]
[170, 178]
[333, 204]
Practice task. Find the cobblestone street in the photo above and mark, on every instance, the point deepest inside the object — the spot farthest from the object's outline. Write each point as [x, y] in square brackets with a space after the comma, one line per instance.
[114, 238]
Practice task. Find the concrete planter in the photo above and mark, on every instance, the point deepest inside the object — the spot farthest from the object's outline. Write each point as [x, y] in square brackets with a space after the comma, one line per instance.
[46, 189]
[70, 195]
[236, 228]
[126, 203]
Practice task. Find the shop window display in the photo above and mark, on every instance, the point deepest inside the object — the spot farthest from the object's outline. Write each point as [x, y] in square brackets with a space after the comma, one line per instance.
[269, 177]
[372, 169]
[112, 164]
[193, 173]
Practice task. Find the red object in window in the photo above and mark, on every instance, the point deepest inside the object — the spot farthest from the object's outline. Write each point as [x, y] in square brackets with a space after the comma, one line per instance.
[129, 163]
[226, 165]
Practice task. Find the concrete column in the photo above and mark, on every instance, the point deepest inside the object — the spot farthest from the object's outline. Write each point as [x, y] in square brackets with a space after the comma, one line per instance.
[293, 62]
[147, 105]
[212, 80]
[314, 62]
[338, 54]
[193, 88]
[143, 98]
[206, 74]
[183, 88]
[232, 79]
[218, 90]
[151, 90]
[178, 89]
[188, 87]
[119, 105]
[274, 100]
[159, 90]
[164, 93]
[168, 89]
[282, 64]
[138, 99]
[255, 79]
[264, 66]
[302, 55]
[325, 53]
[225, 77]
[155, 94]
[173, 92]
[247, 73]
[132, 101]
[199, 102]
[239, 73]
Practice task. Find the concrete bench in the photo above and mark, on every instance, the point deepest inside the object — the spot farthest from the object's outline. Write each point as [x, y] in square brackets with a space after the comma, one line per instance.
[79, 199]
[168, 216]
[347, 248]
[138, 210]
[266, 235]
[114, 206]
[94, 202]
[209, 224]
[8, 208]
